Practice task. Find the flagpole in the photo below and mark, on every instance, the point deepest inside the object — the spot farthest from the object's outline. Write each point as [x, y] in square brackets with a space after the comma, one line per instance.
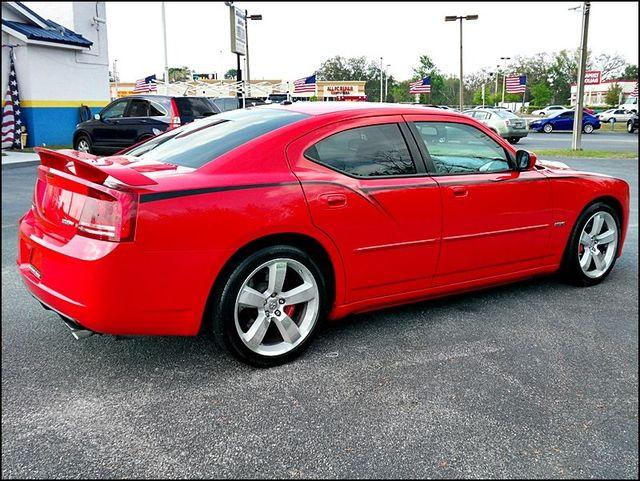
[166, 63]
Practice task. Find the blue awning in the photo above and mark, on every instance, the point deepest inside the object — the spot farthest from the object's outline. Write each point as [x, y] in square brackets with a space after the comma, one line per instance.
[55, 34]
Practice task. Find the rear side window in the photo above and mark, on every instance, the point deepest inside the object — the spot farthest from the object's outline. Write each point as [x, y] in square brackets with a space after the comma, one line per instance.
[191, 108]
[138, 108]
[373, 151]
[199, 142]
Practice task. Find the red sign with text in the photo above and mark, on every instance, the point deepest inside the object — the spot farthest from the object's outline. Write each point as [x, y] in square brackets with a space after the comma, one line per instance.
[592, 77]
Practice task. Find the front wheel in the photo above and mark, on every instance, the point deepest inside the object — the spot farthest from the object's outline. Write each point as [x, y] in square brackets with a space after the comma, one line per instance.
[548, 128]
[514, 140]
[593, 246]
[270, 306]
[588, 129]
[630, 128]
[83, 144]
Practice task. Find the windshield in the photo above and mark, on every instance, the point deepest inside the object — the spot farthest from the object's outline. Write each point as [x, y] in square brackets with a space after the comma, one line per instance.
[199, 142]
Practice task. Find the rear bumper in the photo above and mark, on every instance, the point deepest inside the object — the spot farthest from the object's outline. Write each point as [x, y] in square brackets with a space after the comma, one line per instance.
[111, 288]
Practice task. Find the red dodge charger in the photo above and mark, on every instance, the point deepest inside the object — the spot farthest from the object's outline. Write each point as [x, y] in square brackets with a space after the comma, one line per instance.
[258, 224]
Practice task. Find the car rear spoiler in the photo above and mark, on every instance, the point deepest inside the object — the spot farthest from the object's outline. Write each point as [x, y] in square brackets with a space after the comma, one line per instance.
[91, 167]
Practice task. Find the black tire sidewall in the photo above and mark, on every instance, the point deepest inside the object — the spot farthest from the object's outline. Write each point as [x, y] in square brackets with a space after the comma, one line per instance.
[571, 266]
[85, 137]
[544, 129]
[223, 324]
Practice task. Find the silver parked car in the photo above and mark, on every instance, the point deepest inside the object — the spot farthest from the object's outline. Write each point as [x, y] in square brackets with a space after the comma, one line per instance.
[615, 115]
[506, 124]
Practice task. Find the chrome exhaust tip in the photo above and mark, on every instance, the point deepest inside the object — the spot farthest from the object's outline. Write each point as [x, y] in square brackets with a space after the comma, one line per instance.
[76, 331]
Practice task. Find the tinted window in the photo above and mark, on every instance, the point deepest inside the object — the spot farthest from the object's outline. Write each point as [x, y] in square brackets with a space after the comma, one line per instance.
[199, 142]
[461, 149]
[374, 151]
[156, 110]
[138, 108]
[191, 108]
[114, 110]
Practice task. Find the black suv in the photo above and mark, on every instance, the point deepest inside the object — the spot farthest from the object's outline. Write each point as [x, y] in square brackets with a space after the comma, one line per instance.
[129, 120]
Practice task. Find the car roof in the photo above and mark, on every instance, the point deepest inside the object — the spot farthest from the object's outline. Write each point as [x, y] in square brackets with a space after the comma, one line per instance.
[360, 108]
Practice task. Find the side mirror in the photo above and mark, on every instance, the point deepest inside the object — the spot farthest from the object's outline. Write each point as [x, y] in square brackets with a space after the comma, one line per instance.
[525, 160]
[97, 116]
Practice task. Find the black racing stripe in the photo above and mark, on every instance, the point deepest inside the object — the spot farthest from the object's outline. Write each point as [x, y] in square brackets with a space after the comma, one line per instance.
[207, 190]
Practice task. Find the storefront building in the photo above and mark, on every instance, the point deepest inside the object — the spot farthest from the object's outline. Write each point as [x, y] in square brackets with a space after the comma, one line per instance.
[595, 94]
[58, 70]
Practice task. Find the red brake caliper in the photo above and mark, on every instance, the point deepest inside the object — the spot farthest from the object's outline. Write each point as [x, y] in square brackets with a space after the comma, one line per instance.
[289, 310]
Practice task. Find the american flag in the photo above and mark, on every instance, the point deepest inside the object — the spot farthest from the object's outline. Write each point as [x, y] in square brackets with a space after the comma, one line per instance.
[516, 85]
[635, 91]
[305, 84]
[146, 84]
[11, 113]
[421, 86]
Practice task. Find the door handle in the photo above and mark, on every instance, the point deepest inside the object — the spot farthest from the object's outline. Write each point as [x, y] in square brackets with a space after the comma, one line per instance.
[459, 191]
[334, 201]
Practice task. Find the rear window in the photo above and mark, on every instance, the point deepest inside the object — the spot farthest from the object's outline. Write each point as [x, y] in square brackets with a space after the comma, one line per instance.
[505, 114]
[191, 108]
[196, 144]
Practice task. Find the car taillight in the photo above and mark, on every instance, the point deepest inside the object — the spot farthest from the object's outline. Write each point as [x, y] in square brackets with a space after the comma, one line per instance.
[175, 116]
[106, 217]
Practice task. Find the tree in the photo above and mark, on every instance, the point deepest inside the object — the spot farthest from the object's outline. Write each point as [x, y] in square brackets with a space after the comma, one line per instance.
[232, 73]
[612, 97]
[630, 72]
[179, 74]
[562, 72]
[611, 66]
[540, 93]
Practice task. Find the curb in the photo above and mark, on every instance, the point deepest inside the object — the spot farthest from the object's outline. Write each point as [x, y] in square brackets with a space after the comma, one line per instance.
[16, 165]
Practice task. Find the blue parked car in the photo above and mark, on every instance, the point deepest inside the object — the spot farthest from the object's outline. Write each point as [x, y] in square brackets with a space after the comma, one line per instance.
[564, 121]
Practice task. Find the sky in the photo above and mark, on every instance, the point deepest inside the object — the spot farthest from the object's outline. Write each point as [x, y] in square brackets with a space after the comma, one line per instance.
[294, 38]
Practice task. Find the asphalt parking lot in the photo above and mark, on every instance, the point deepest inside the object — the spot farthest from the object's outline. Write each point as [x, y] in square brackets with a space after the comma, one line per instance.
[599, 140]
[536, 379]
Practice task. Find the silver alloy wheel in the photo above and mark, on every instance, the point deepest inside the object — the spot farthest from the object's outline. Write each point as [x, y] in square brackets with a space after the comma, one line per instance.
[547, 128]
[588, 129]
[83, 145]
[263, 302]
[598, 244]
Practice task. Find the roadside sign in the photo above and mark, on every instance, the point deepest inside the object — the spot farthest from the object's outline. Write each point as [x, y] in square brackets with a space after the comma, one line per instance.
[592, 77]
[238, 30]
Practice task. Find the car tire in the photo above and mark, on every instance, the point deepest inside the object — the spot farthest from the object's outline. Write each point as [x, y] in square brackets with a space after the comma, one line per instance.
[612, 120]
[630, 128]
[83, 144]
[547, 128]
[573, 270]
[541, 114]
[266, 344]
[587, 129]
[514, 140]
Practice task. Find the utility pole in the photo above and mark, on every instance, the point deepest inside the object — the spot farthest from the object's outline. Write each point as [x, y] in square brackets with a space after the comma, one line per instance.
[453, 18]
[577, 118]
[497, 78]
[166, 63]
[381, 80]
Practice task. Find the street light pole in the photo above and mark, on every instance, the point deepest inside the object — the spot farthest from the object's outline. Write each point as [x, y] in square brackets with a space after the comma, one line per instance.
[453, 18]
[246, 32]
[166, 63]
[380, 79]
[386, 82]
[577, 118]
[504, 75]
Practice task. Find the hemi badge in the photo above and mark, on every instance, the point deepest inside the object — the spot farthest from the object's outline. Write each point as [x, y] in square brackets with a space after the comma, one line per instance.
[559, 224]
[35, 271]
